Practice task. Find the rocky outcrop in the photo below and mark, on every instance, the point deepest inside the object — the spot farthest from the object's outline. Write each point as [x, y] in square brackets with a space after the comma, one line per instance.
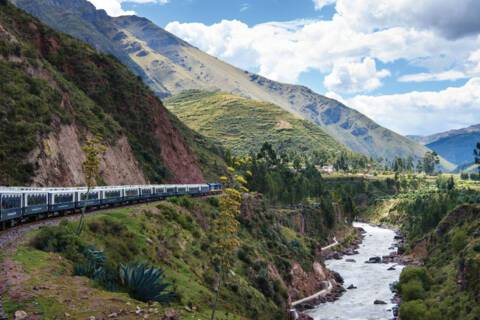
[59, 158]
[304, 283]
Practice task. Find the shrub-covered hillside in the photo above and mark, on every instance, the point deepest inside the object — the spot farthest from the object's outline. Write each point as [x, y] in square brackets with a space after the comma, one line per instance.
[274, 262]
[56, 91]
[243, 125]
[448, 286]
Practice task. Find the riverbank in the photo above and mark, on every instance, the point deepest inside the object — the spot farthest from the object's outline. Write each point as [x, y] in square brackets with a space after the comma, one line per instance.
[333, 288]
[368, 293]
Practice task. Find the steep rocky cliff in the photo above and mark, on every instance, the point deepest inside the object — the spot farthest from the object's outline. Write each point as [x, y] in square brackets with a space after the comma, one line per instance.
[56, 92]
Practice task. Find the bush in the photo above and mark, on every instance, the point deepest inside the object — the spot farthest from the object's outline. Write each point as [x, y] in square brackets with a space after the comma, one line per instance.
[459, 240]
[183, 201]
[213, 201]
[416, 273]
[60, 239]
[412, 290]
[413, 310]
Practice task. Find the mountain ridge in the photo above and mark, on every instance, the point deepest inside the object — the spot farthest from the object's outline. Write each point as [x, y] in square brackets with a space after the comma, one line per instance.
[170, 65]
[454, 145]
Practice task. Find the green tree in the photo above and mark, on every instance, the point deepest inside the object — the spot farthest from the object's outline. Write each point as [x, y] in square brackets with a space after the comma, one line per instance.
[94, 149]
[413, 310]
[430, 160]
[476, 153]
[412, 290]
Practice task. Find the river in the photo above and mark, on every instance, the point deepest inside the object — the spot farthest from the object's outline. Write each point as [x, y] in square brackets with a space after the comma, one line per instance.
[372, 281]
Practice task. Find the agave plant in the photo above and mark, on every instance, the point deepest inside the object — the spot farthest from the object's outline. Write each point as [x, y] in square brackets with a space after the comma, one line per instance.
[146, 283]
[95, 261]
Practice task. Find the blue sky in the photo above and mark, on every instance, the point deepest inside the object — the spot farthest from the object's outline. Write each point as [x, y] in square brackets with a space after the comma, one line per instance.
[212, 11]
[411, 65]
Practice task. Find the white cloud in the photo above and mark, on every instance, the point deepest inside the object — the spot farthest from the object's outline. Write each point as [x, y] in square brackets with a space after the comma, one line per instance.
[423, 112]
[319, 4]
[450, 18]
[474, 60]
[245, 6]
[114, 7]
[282, 51]
[351, 77]
[440, 76]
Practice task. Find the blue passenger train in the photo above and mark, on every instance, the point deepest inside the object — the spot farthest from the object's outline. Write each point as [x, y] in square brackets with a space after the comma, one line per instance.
[22, 203]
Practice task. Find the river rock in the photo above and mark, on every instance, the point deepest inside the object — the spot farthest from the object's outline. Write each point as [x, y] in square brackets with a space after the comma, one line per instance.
[350, 260]
[303, 316]
[391, 268]
[350, 287]
[379, 302]
[338, 278]
[395, 311]
[374, 260]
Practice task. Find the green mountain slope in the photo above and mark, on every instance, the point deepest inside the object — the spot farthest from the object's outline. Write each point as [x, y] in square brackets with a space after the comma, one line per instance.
[243, 125]
[56, 92]
[170, 65]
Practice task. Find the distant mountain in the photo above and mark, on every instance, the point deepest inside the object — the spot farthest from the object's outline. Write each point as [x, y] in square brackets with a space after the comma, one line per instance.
[456, 146]
[56, 92]
[243, 125]
[170, 65]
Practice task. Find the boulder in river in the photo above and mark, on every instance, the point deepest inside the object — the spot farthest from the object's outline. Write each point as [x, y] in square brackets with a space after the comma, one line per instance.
[350, 260]
[338, 278]
[303, 316]
[379, 302]
[374, 260]
[350, 287]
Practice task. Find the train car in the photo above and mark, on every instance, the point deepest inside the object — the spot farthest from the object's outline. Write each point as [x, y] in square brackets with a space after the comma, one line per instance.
[35, 202]
[61, 199]
[159, 191]
[87, 198]
[215, 187]
[146, 192]
[182, 189]
[131, 193]
[193, 189]
[11, 204]
[171, 190]
[111, 195]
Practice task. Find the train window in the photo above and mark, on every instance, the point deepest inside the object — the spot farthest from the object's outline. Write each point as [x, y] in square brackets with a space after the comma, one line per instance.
[182, 189]
[11, 201]
[36, 199]
[170, 190]
[63, 197]
[91, 196]
[112, 194]
[146, 191]
[131, 192]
